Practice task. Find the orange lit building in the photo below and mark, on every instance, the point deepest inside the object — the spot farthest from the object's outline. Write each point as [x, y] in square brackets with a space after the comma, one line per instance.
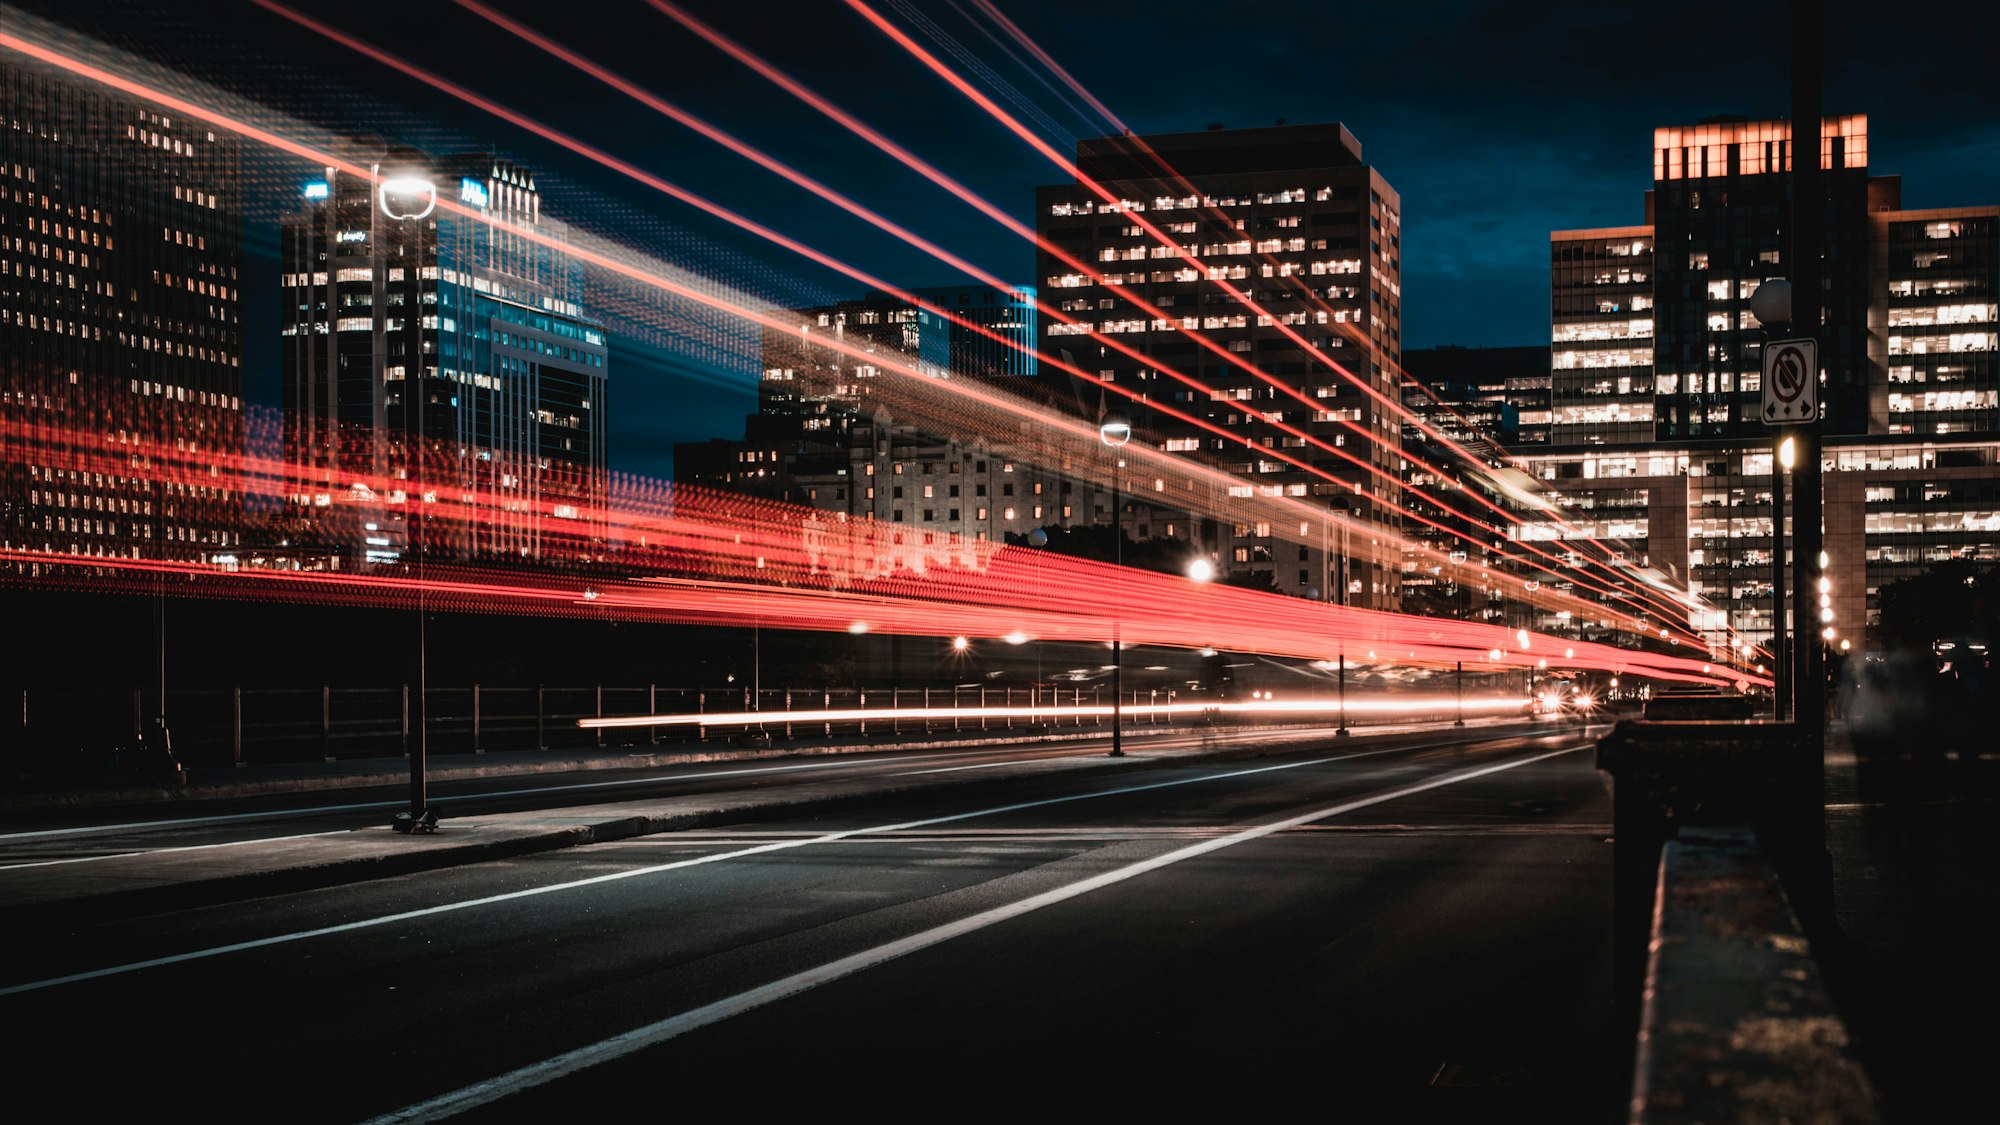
[120, 334]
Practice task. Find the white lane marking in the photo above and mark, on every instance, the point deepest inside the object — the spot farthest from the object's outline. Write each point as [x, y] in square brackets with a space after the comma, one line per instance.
[956, 769]
[639, 1039]
[1161, 743]
[615, 876]
[165, 851]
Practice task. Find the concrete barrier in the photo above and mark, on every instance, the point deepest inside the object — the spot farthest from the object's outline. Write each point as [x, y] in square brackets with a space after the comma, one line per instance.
[1736, 1023]
[1761, 780]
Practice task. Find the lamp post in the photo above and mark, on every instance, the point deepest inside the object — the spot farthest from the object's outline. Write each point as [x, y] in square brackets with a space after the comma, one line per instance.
[1787, 452]
[1341, 504]
[408, 195]
[1115, 430]
[1038, 539]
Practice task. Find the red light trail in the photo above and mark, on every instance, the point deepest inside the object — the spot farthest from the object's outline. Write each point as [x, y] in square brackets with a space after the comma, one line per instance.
[897, 613]
[860, 129]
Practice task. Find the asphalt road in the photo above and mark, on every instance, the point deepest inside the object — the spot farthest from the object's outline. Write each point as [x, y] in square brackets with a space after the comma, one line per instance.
[1423, 929]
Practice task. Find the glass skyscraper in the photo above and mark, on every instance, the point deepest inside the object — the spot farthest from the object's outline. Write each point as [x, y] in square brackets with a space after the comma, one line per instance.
[387, 300]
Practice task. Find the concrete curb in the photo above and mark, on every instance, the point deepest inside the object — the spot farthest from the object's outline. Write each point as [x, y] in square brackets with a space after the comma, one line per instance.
[1737, 1024]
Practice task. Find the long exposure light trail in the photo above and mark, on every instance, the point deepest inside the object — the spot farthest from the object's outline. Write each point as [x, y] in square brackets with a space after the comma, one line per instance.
[660, 105]
[798, 90]
[567, 596]
[629, 88]
[1104, 193]
[1136, 711]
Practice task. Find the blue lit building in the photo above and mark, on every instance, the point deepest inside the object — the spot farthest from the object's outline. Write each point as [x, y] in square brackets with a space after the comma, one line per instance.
[391, 294]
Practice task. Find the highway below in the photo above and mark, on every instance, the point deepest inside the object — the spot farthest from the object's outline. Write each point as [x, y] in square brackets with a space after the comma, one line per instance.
[1419, 923]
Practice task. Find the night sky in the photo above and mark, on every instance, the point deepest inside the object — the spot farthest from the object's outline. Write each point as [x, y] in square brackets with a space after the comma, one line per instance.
[1497, 122]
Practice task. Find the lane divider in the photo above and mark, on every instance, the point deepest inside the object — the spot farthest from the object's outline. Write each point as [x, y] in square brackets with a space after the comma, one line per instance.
[538, 1074]
[654, 869]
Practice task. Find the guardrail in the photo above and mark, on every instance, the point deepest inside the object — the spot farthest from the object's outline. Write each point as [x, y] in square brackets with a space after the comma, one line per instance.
[53, 730]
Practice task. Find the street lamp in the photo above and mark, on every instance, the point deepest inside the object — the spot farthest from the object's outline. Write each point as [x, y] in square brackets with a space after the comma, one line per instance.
[1787, 456]
[407, 194]
[1038, 539]
[1342, 504]
[1115, 430]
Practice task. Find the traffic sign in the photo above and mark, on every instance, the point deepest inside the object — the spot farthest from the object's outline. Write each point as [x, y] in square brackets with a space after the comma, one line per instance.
[1791, 382]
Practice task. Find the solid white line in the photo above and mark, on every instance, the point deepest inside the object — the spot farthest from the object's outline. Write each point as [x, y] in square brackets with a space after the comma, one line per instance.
[618, 1046]
[957, 769]
[615, 876]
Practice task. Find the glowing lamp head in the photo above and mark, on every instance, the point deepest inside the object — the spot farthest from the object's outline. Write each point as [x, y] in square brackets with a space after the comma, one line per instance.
[1016, 638]
[858, 627]
[1788, 454]
[960, 644]
[1115, 430]
[1201, 570]
[407, 195]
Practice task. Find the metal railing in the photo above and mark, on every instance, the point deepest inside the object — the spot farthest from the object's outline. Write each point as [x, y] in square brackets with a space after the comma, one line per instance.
[213, 727]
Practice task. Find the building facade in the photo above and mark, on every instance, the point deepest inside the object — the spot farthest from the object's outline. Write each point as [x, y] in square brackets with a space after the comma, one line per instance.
[1656, 443]
[828, 435]
[121, 382]
[1294, 218]
[392, 302]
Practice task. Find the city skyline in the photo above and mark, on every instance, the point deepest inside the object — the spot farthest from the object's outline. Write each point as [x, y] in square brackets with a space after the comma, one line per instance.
[1265, 473]
[1471, 128]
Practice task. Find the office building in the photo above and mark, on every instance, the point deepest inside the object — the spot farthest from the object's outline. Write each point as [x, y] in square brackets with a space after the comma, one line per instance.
[1294, 218]
[391, 299]
[121, 383]
[1656, 444]
[833, 433]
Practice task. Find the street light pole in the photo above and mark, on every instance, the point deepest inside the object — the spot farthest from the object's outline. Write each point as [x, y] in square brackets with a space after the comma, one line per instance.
[1340, 504]
[1460, 721]
[1115, 431]
[407, 194]
[1781, 460]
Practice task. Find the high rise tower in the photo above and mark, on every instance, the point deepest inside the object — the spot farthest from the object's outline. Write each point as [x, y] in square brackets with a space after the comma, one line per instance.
[1294, 218]
[389, 298]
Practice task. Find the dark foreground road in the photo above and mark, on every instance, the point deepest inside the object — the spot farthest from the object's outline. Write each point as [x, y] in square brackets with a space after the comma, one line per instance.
[1422, 932]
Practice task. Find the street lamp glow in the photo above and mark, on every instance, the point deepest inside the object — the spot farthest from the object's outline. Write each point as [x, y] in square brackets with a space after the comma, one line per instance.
[858, 628]
[1825, 583]
[1115, 430]
[1521, 639]
[960, 644]
[1016, 637]
[408, 197]
[1201, 570]
[1788, 454]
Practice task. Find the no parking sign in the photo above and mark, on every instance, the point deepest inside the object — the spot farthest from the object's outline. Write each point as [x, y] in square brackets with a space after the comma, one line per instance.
[1791, 382]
